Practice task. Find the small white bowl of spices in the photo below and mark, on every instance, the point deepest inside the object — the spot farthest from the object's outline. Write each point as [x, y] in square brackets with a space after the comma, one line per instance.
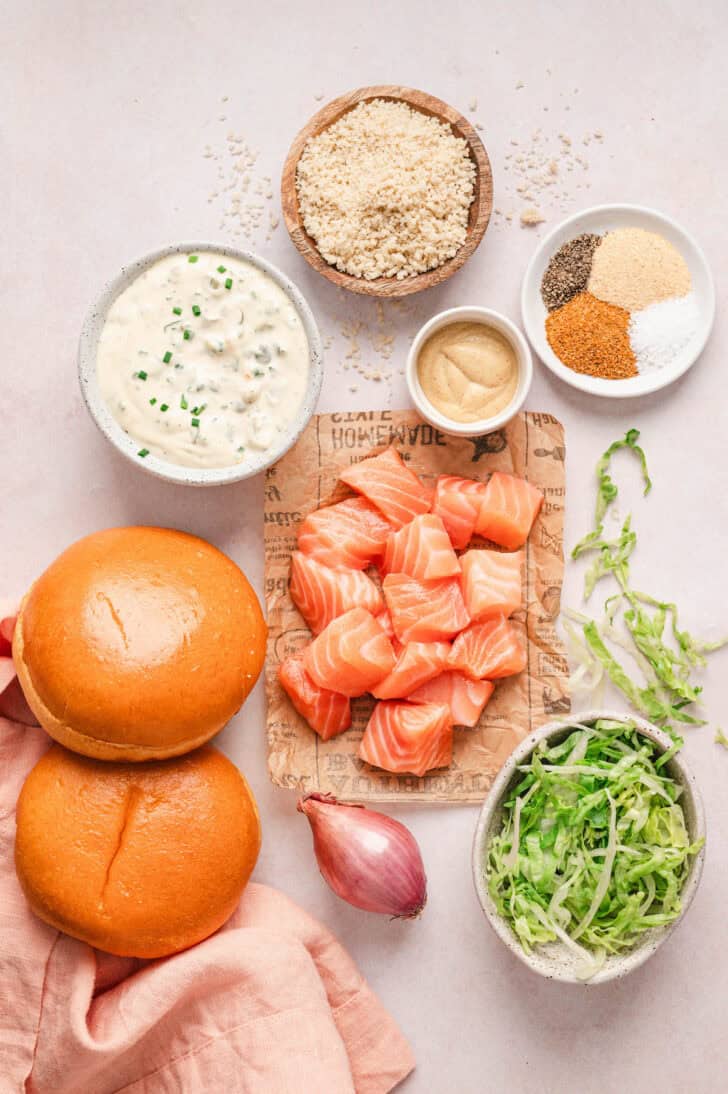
[469, 370]
[200, 363]
[618, 301]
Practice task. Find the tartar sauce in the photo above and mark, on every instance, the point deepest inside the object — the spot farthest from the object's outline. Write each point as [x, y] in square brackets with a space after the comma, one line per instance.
[203, 360]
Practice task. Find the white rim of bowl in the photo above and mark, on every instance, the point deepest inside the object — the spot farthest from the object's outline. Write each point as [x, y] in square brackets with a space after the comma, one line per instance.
[634, 958]
[524, 359]
[594, 385]
[125, 444]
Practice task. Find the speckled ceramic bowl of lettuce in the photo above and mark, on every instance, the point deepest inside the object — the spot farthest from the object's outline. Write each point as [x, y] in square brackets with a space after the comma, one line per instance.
[554, 960]
[123, 442]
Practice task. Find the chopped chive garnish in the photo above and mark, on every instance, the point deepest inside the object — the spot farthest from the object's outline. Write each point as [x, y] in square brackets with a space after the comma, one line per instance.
[153, 401]
[192, 258]
[143, 452]
[196, 423]
[187, 335]
[228, 282]
[183, 402]
[164, 408]
[177, 311]
[141, 374]
[167, 357]
[195, 309]
[221, 269]
[257, 372]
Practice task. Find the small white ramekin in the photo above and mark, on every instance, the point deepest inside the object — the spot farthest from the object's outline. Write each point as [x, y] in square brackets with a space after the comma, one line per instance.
[523, 357]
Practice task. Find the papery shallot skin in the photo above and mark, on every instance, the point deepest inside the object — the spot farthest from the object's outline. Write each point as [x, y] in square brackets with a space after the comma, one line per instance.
[369, 860]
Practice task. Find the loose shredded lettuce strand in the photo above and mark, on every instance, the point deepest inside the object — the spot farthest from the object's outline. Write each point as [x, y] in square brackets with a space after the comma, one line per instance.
[593, 848]
[607, 490]
[720, 738]
[647, 628]
[587, 677]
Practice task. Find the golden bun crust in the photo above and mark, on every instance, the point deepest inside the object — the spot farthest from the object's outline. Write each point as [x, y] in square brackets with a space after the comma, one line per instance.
[138, 860]
[138, 643]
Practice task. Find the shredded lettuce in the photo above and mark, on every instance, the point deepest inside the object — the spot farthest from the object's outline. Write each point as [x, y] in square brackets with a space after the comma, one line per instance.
[593, 849]
[720, 738]
[607, 490]
[645, 627]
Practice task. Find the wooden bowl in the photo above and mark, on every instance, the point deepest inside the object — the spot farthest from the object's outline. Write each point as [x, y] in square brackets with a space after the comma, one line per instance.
[480, 208]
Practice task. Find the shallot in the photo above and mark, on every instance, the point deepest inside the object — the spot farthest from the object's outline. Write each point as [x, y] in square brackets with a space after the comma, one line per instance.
[367, 858]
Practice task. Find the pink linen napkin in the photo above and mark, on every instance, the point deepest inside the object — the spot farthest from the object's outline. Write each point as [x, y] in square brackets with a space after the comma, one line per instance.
[270, 1004]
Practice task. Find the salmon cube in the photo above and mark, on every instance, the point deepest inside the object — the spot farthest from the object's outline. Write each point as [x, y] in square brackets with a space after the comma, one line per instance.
[466, 698]
[416, 664]
[390, 485]
[408, 738]
[352, 655]
[509, 507]
[347, 536]
[424, 611]
[321, 594]
[457, 502]
[491, 583]
[327, 712]
[421, 549]
[488, 650]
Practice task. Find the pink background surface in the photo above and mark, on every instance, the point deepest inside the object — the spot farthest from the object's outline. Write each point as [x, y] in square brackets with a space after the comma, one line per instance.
[108, 109]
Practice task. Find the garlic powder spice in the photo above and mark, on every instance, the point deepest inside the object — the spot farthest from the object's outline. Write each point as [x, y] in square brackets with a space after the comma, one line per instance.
[385, 191]
[633, 268]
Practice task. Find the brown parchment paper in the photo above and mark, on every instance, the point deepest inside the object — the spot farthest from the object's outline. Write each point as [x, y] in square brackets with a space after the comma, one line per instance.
[531, 445]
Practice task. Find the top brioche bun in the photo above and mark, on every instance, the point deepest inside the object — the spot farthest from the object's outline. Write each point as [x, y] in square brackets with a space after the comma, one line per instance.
[138, 644]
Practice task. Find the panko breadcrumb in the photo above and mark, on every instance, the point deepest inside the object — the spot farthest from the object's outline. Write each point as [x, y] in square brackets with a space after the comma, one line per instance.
[385, 191]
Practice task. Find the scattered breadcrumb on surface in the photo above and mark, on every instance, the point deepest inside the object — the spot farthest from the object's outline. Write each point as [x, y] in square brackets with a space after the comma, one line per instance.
[319, 96]
[245, 194]
[531, 217]
[473, 105]
[519, 85]
[546, 170]
[362, 336]
[385, 191]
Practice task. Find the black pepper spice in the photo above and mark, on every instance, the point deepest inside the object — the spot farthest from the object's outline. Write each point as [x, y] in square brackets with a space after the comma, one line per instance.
[567, 274]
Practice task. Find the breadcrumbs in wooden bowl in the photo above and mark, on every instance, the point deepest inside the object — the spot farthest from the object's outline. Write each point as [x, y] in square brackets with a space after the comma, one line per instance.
[439, 232]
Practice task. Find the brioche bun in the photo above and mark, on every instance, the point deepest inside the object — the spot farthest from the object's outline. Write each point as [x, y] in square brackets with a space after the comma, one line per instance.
[138, 643]
[139, 860]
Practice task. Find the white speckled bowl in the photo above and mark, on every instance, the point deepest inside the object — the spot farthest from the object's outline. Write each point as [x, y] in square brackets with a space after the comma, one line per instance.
[554, 960]
[163, 469]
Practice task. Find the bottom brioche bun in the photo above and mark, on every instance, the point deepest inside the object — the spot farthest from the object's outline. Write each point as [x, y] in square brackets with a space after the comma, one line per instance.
[138, 860]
